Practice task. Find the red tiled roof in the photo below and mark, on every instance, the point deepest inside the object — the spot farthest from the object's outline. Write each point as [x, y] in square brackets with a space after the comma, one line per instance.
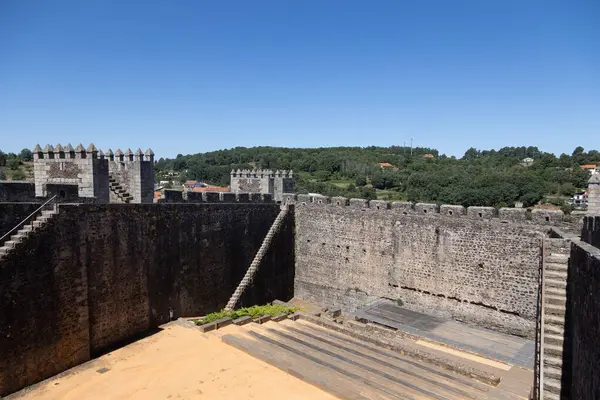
[385, 164]
[428, 155]
[212, 189]
[589, 166]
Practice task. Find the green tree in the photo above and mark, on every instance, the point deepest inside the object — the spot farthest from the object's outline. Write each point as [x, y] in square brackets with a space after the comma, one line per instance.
[360, 181]
[2, 174]
[26, 155]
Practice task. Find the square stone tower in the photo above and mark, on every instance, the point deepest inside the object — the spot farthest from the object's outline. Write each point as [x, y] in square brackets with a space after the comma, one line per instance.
[80, 169]
[594, 195]
[262, 181]
[134, 173]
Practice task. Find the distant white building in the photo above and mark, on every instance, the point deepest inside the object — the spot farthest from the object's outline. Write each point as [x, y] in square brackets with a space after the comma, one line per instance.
[527, 160]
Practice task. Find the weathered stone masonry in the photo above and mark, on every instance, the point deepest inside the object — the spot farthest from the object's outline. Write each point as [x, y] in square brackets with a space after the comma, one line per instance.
[101, 274]
[472, 267]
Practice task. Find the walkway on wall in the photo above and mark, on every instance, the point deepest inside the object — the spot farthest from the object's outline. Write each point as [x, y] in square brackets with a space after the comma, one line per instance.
[492, 344]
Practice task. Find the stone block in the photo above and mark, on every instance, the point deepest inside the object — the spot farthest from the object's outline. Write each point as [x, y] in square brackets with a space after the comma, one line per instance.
[223, 322]
[339, 201]
[378, 204]
[359, 203]
[262, 319]
[208, 327]
[294, 316]
[304, 199]
[267, 198]
[320, 200]
[242, 320]
[426, 208]
[255, 198]
[279, 317]
[279, 303]
[194, 197]
[243, 197]
[210, 197]
[452, 210]
[481, 212]
[546, 216]
[512, 214]
[404, 207]
[227, 197]
[289, 198]
[172, 196]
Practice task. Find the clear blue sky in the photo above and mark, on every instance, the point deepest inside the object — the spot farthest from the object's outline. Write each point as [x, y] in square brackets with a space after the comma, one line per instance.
[188, 76]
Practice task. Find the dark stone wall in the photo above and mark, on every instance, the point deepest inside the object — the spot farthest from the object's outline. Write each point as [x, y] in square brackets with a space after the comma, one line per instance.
[581, 355]
[478, 270]
[106, 273]
[591, 230]
[17, 191]
[12, 214]
[43, 306]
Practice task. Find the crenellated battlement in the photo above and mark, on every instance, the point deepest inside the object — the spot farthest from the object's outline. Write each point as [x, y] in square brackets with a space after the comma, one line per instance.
[261, 173]
[504, 214]
[178, 196]
[60, 152]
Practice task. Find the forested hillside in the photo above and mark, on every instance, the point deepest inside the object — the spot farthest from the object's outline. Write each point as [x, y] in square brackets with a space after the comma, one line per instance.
[480, 177]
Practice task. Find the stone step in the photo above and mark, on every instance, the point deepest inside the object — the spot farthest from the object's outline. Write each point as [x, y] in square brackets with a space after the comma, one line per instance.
[553, 350]
[396, 375]
[552, 373]
[4, 250]
[38, 224]
[554, 329]
[557, 275]
[552, 361]
[26, 228]
[554, 339]
[18, 237]
[11, 244]
[550, 319]
[557, 258]
[551, 396]
[555, 309]
[552, 386]
[560, 292]
[555, 283]
[556, 267]
[553, 299]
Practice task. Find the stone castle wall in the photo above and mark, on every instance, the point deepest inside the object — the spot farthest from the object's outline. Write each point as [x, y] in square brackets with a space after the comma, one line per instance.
[97, 275]
[466, 264]
[581, 356]
[591, 230]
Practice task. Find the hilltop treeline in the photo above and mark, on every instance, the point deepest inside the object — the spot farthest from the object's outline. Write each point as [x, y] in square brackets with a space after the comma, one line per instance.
[480, 177]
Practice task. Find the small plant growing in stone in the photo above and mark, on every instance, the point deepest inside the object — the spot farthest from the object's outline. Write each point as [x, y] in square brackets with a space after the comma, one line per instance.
[253, 312]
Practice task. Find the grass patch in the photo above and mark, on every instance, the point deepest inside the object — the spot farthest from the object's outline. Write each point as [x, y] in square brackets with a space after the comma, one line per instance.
[341, 183]
[254, 312]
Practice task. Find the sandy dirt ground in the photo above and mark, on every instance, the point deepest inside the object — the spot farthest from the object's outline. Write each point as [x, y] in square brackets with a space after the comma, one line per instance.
[176, 363]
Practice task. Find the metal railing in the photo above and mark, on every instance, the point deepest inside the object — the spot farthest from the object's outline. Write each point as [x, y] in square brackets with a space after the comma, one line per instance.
[24, 221]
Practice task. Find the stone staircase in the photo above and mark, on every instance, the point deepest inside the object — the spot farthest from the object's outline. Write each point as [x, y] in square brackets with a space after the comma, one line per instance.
[117, 188]
[351, 368]
[21, 235]
[556, 264]
[251, 272]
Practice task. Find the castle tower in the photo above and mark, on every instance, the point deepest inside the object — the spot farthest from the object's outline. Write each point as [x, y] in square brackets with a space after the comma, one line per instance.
[134, 172]
[262, 181]
[62, 169]
[594, 195]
